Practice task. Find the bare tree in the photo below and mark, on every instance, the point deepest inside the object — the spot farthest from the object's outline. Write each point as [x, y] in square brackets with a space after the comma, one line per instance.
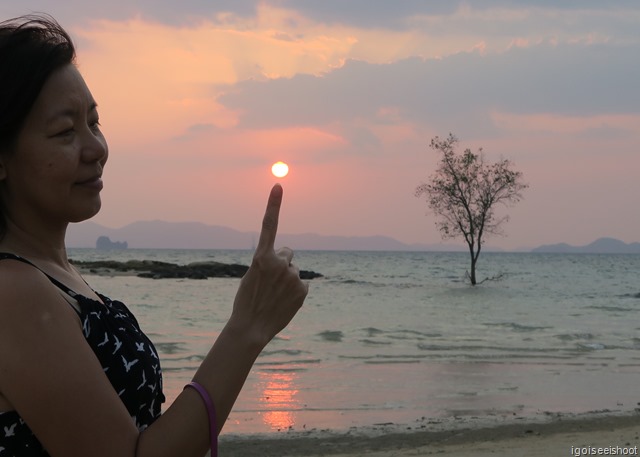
[464, 192]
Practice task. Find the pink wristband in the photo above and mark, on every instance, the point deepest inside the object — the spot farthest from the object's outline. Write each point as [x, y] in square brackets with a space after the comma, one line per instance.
[211, 411]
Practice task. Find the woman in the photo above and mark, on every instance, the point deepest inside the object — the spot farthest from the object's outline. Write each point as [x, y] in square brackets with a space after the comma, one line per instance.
[77, 375]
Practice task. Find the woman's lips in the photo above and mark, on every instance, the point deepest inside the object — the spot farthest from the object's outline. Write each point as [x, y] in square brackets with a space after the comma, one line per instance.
[93, 183]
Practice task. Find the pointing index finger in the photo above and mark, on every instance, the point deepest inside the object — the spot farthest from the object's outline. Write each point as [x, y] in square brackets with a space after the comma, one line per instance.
[270, 221]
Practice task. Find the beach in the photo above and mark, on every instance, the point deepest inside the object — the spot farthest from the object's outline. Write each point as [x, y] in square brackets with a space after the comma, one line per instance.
[559, 435]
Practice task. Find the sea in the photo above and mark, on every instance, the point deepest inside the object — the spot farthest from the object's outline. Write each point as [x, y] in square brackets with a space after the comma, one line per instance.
[402, 338]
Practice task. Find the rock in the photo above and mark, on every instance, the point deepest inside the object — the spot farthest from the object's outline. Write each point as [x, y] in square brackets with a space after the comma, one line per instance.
[306, 274]
[198, 270]
[162, 270]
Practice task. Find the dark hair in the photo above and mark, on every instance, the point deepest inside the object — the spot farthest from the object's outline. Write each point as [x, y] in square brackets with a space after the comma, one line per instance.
[31, 48]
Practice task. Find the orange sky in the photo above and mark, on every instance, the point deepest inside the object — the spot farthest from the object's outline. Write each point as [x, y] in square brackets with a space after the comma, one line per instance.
[197, 103]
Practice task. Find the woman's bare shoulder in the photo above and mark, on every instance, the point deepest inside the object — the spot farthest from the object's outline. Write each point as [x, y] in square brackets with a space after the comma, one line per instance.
[30, 307]
[27, 299]
[21, 283]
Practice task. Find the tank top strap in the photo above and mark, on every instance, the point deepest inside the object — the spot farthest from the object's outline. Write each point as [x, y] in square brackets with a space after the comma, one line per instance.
[58, 284]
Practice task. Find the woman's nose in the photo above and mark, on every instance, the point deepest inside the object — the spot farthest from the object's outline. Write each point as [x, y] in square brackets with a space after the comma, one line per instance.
[94, 147]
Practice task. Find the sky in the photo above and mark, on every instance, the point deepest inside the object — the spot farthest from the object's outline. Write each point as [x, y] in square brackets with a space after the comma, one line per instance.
[198, 98]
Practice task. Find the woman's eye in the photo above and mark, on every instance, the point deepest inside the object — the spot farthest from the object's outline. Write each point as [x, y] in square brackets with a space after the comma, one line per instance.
[66, 132]
[95, 126]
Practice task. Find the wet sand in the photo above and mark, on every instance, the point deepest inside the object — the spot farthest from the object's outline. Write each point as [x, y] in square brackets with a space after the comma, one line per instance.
[558, 435]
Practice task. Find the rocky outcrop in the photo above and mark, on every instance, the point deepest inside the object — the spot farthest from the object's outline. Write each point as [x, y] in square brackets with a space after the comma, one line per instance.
[104, 242]
[161, 270]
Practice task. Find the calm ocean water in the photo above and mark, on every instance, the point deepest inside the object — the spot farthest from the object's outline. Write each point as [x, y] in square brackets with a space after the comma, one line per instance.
[400, 337]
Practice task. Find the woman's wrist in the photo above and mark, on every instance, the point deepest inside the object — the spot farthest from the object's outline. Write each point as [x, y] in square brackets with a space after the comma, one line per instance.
[250, 337]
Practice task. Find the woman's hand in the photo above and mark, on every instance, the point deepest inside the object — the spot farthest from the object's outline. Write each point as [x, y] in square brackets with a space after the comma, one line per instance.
[271, 291]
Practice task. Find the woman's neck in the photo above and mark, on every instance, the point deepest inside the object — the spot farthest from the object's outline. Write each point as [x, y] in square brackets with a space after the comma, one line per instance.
[37, 243]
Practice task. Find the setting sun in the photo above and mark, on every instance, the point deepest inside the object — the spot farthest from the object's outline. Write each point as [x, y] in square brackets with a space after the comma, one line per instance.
[280, 169]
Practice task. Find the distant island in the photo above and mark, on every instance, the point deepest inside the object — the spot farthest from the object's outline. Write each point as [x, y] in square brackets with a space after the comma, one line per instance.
[104, 242]
[599, 246]
[196, 235]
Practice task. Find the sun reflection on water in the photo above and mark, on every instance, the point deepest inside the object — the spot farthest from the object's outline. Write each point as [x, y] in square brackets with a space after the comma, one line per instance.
[279, 399]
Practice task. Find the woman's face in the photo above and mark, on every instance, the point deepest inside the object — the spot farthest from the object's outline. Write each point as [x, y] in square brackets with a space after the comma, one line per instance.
[53, 173]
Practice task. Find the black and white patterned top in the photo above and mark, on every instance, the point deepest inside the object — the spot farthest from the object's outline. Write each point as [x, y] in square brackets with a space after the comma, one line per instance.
[127, 356]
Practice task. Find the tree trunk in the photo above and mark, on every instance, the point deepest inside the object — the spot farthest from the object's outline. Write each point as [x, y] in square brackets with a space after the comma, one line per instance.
[474, 258]
[473, 270]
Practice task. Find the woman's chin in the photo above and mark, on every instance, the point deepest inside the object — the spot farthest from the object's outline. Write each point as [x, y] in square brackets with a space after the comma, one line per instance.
[86, 213]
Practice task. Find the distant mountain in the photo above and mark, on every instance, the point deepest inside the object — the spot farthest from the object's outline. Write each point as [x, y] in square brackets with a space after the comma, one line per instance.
[599, 246]
[195, 235]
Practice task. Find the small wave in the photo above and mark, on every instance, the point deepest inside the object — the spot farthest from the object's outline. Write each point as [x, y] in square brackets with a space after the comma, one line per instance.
[332, 335]
[290, 362]
[469, 348]
[284, 370]
[413, 335]
[636, 295]
[387, 358]
[516, 327]
[391, 362]
[415, 332]
[168, 368]
[170, 347]
[189, 358]
[466, 394]
[374, 342]
[504, 357]
[403, 334]
[351, 281]
[354, 282]
[372, 331]
[614, 309]
[591, 346]
[381, 359]
[357, 357]
[283, 352]
[575, 336]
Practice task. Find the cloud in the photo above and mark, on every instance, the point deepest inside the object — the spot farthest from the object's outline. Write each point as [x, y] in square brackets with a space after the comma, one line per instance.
[368, 13]
[609, 125]
[565, 79]
[359, 13]
[167, 77]
[398, 15]
[162, 11]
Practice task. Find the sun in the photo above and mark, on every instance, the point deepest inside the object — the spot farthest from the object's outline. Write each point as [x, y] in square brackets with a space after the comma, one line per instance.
[280, 169]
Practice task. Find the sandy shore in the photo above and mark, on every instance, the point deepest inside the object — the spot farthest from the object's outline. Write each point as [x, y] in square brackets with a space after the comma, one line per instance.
[555, 436]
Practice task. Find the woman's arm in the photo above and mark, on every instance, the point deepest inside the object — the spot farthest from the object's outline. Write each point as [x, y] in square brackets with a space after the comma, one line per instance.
[269, 296]
[51, 375]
